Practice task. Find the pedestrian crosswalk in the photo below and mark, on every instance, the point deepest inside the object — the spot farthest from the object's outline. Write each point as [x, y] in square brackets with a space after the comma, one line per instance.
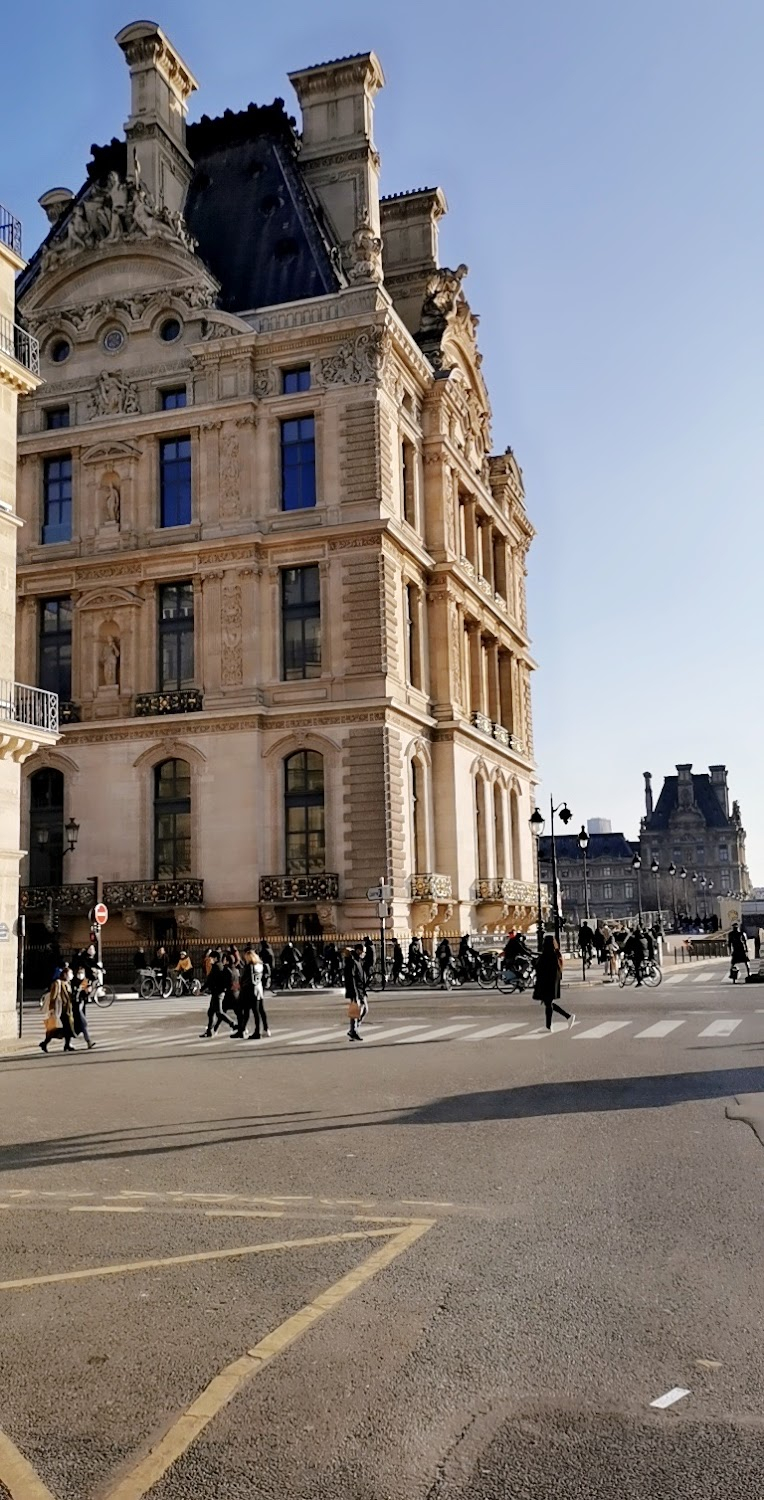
[162, 1028]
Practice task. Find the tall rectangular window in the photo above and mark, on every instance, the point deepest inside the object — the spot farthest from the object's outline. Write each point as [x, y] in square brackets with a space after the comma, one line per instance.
[56, 416]
[55, 647]
[293, 381]
[176, 636]
[298, 464]
[57, 499]
[172, 400]
[300, 623]
[408, 481]
[175, 481]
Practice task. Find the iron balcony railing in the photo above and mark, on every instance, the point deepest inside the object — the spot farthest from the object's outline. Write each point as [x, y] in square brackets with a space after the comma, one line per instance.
[64, 898]
[32, 706]
[431, 888]
[10, 230]
[318, 887]
[20, 345]
[130, 894]
[185, 701]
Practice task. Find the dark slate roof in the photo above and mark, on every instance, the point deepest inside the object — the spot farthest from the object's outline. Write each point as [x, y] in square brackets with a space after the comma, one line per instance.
[601, 846]
[259, 230]
[706, 801]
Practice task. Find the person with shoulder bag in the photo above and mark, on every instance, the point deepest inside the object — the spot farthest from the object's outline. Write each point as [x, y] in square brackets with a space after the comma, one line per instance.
[354, 992]
[57, 1015]
[549, 981]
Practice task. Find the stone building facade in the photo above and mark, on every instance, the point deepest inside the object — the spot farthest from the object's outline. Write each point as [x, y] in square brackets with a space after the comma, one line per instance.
[693, 826]
[270, 562]
[611, 880]
[28, 718]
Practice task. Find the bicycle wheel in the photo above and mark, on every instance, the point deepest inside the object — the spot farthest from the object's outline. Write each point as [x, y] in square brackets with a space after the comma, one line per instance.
[432, 978]
[653, 975]
[508, 982]
[147, 988]
[626, 975]
[104, 996]
[167, 988]
[487, 974]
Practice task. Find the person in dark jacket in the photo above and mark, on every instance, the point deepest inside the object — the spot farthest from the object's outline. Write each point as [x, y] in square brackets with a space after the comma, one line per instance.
[599, 943]
[445, 959]
[219, 989]
[636, 947]
[355, 990]
[549, 980]
[369, 960]
[467, 957]
[738, 948]
[333, 963]
[586, 941]
[251, 997]
[269, 963]
[232, 1001]
[310, 966]
[399, 962]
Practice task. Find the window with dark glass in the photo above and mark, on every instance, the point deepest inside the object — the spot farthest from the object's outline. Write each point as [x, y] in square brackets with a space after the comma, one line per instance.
[300, 622]
[57, 499]
[56, 416]
[55, 647]
[172, 400]
[408, 491]
[298, 464]
[293, 381]
[175, 481]
[172, 819]
[304, 813]
[46, 827]
[176, 636]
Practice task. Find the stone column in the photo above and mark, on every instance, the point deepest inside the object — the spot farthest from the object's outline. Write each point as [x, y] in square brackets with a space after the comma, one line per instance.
[506, 709]
[487, 529]
[492, 663]
[475, 649]
[500, 565]
[470, 532]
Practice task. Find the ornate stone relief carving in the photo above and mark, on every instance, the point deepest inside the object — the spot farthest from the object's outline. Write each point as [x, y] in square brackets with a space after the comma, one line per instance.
[114, 396]
[230, 475]
[364, 252]
[117, 212]
[231, 665]
[357, 360]
[456, 652]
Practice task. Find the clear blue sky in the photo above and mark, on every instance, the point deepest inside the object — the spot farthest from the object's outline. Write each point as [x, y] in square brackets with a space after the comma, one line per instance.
[602, 163]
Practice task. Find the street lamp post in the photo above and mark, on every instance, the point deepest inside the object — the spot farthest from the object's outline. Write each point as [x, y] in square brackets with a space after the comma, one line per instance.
[703, 889]
[72, 831]
[565, 817]
[655, 870]
[672, 873]
[636, 864]
[683, 877]
[694, 879]
[536, 822]
[583, 844]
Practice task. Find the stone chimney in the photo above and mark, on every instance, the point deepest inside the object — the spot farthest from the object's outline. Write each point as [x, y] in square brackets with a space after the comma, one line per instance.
[719, 783]
[338, 157]
[410, 248]
[648, 775]
[686, 787]
[160, 86]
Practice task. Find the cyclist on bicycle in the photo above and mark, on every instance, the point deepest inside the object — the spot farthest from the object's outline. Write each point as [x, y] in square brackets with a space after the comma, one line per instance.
[468, 958]
[637, 948]
[416, 959]
[399, 962]
[515, 948]
[445, 959]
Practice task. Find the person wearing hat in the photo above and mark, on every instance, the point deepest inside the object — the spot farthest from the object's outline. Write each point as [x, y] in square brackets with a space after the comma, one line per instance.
[251, 998]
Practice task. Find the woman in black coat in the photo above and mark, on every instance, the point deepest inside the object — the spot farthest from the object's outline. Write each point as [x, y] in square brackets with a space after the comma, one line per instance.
[549, 979]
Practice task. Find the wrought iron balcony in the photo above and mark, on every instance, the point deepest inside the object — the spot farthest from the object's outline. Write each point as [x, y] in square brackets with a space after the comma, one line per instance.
[323, 887]
[10, 230]
[512, 892]
[431, 888]
[186, 701]
[125, 895]
[76, 899]
[30, 706]
[19, 345]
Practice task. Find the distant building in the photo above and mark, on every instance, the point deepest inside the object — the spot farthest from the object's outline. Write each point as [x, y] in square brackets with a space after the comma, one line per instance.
[611, 878]
[692, 827]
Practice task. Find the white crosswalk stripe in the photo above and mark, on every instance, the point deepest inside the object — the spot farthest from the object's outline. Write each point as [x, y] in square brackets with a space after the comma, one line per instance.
[479, 1036]
[720, 1028]
[660, 1028]
[605, 1028]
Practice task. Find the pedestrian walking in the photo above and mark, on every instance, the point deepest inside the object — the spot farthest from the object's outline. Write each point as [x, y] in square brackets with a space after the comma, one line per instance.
[354, 990]
[219, 988]
[368, 961]
[399, 962]
[232, 1000]
[549, 981]
[251, 999]
[80, 989]
[599, 943]
[737, 944]
[445, 959]
[57, 1014]
[310, 966]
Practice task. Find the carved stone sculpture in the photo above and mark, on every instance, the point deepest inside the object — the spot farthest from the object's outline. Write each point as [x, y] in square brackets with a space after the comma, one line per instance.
[442, 294]
[231, 664]
[112, 501]
[114, 396]
[110, 662]
[357, 360]
[119, 210]
[364, 252]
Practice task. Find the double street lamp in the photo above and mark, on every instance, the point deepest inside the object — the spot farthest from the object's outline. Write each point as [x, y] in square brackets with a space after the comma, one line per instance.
[636, 864]
[583, 844]
[72, 831]
[536, 823]
[655, 870]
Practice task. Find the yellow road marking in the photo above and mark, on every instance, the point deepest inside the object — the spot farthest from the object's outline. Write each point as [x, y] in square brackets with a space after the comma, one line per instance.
[243, 1213]
[186, 1260]
[106, 1208]
[225, 1386]
[17, 1476]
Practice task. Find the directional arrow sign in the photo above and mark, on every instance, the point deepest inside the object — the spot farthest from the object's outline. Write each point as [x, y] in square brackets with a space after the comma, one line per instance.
[374, 893]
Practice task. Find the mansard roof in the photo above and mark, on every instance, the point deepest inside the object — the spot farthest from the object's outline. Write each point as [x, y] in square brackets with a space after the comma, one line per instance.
[258, 229]
[613, 846]
[705, 802]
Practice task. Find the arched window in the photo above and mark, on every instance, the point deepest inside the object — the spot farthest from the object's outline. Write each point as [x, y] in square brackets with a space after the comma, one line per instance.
[421, 863]
[46, 827]
[498, 818]
[514, 824]
[304, 813]
[172, 819]
[481, 830]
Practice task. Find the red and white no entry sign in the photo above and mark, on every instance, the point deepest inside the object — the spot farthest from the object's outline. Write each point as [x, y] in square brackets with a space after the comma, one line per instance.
[101, 914]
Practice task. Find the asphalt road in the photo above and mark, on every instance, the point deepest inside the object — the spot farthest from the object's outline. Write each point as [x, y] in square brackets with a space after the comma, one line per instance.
[455, 1262]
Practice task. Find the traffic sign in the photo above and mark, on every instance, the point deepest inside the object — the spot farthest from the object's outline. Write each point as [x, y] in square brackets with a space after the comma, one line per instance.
[374, 893]
[101, 914]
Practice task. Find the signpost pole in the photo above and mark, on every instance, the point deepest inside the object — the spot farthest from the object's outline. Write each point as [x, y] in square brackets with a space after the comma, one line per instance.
[96, 879]
[382, 909]
[21, 928]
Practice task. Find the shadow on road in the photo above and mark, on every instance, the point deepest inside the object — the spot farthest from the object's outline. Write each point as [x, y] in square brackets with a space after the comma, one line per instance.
[528, 1101]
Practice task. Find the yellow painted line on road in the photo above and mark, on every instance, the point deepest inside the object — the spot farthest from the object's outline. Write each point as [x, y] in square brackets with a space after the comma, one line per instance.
[244, 1213]
[106, 1208]
[225, 1386]
[126, 1267]
[17, 1476]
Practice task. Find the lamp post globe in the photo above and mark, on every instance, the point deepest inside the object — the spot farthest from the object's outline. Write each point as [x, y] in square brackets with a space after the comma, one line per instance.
[536, 825]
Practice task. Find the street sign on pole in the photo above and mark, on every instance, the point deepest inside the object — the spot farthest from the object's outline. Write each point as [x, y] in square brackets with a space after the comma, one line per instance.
[382, 910]
[101, 914]
[374, 893]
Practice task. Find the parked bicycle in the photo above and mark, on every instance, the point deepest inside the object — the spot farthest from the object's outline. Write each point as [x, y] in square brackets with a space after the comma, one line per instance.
[154, 985]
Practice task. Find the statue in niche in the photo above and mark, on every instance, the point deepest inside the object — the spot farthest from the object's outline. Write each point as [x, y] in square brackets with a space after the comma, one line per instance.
[112, 500]
[110, 662]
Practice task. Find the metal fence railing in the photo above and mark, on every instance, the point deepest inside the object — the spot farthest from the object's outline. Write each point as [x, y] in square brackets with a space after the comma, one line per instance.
[34, 706]
[20, 345]
[10, 230]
